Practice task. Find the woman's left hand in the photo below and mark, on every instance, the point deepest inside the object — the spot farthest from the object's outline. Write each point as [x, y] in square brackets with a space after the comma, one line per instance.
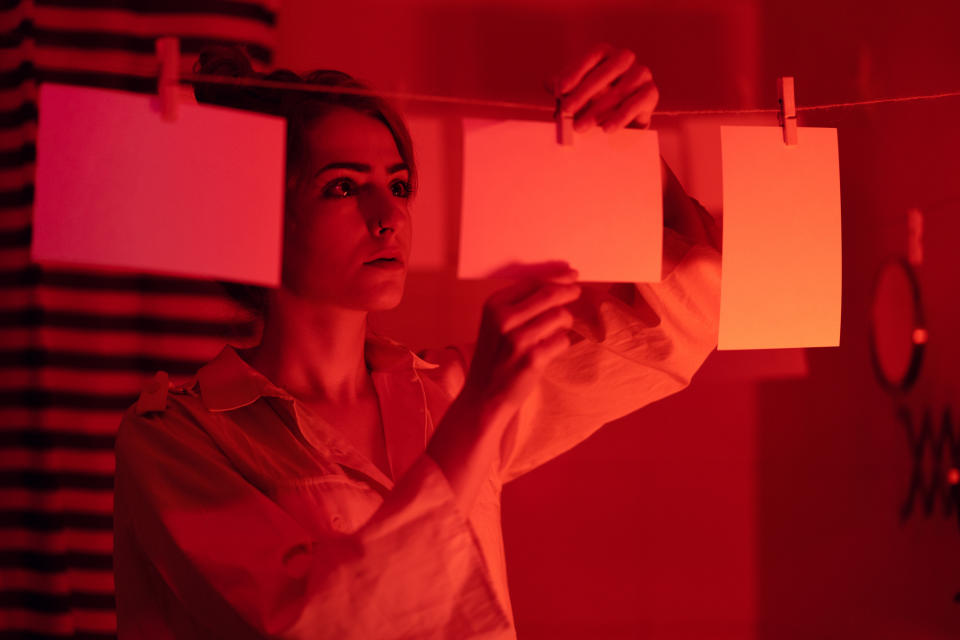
[607, 87]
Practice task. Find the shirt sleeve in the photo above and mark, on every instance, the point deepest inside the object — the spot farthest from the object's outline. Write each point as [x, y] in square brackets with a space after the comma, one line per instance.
[634, 343]
[238, 563]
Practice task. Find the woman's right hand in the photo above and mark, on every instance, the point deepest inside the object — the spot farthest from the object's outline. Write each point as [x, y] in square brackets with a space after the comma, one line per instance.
[523, 328]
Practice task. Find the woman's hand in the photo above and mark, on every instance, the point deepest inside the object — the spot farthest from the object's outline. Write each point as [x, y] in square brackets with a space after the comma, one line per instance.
[607, 87]
[523, 328]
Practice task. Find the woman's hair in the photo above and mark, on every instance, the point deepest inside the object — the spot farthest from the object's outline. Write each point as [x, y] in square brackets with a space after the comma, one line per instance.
[300, 109]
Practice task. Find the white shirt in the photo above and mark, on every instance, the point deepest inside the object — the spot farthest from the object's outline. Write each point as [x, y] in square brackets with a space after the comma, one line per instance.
[241, 514]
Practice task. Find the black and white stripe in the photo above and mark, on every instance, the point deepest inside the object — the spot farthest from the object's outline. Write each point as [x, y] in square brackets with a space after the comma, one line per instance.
[77, 344]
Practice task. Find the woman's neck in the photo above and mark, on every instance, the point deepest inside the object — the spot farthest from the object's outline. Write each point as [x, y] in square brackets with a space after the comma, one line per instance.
[315, 352]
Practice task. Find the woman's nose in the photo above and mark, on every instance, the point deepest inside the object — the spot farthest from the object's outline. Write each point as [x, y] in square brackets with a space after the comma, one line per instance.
[386, 212]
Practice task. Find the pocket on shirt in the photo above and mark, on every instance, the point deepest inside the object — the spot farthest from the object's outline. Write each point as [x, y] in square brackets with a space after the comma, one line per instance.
[327, 504]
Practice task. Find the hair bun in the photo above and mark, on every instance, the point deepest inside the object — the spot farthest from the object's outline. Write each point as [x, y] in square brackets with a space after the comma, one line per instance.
[232, 62]
[223, 61]
[226, 61]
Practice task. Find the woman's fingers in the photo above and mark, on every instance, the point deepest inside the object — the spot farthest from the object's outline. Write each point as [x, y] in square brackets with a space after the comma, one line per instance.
[506, 310]
[597, 79]
[601, 106]
[540, 301]
[525, 287]
[573, 75]
[638, 107]
[551, 347]
[607, 87]
[538, 334]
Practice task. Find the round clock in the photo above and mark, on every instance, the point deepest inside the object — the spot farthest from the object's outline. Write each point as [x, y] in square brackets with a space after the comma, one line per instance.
[898, 334]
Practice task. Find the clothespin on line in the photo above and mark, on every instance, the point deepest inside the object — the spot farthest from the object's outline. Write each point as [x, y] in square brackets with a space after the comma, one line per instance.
[788, 110]
[563, 119]
[168, 78]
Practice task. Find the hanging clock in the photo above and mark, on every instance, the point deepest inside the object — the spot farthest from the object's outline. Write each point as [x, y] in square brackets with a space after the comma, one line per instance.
[898, 334]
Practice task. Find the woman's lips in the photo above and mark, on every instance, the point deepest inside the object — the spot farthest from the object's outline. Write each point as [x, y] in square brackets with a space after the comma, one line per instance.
[385, 263]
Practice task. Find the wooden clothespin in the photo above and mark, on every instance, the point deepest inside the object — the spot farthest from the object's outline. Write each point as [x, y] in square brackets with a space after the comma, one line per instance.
[563, 119]
[788, 110]
[168, 79]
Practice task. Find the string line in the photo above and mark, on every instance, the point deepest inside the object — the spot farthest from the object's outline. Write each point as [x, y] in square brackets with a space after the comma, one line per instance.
[860, 103]
[524, 106]
[396, 95]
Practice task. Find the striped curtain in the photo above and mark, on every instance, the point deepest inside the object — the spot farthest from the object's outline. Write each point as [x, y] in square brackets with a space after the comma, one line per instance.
[76, 345]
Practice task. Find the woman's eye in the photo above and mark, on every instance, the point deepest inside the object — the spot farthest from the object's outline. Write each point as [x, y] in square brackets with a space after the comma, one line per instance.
[342, 188]
[401, 188]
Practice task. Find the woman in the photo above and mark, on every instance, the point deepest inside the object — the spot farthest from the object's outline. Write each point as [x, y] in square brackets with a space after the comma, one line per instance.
[330, 483]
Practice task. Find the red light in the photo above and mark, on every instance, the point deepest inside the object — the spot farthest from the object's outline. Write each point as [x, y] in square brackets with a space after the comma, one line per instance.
[953, 476]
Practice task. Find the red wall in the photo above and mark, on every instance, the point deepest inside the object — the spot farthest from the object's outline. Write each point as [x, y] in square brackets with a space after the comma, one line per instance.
[835, 559]
[758, 502]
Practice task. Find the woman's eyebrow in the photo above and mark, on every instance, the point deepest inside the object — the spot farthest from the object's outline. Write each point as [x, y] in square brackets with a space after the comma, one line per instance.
[363, 168]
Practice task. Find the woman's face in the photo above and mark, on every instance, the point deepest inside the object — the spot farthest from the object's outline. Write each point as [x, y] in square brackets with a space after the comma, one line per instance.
[352, 182]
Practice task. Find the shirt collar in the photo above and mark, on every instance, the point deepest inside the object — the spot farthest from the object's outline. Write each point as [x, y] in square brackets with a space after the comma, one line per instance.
[227, 382]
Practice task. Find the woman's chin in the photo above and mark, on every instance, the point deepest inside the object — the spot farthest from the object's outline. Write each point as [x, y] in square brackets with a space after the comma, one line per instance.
[386, 303]
[381, 298]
